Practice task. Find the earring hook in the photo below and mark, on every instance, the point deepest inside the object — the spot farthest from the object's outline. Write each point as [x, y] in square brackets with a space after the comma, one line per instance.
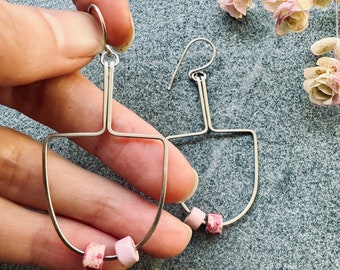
[193, 71]
[101, 19]
[107, 48]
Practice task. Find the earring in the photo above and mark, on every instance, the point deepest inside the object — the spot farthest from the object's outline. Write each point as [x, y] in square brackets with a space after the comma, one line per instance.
[126, 249]
[214, 222]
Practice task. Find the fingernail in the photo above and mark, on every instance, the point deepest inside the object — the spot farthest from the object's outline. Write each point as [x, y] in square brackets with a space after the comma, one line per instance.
[194, 187]
[77, 33]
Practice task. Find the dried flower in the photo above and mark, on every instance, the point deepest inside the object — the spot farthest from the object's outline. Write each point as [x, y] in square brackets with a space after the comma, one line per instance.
[323, 82]
[291, 15]
[272, 5]
[322, 3]
[326, 45]
[235, 8]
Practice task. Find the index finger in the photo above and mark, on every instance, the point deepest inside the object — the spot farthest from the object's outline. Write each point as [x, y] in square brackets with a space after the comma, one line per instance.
[72, 103]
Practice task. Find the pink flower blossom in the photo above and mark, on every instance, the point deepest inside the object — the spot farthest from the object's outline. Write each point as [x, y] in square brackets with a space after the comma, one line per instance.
[291, 15]
[235, 8]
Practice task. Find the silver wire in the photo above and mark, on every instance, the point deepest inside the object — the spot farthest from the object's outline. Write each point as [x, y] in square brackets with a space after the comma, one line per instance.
[101, 19]
[200, 78]
[195, 70]
[109, 68]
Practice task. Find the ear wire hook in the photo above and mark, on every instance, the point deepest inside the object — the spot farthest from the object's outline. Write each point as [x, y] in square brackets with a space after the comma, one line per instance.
[101, 19]
[194, 75]
[197, 217]
[107, 48]
[195, 70]
[109, 60]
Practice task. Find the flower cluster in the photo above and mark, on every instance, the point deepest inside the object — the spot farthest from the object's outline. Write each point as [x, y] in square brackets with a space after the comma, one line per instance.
[323, 81]
[290, 15]
[236, 8]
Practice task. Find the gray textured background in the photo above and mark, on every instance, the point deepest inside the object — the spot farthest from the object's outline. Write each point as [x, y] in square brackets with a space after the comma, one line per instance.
[255, 82]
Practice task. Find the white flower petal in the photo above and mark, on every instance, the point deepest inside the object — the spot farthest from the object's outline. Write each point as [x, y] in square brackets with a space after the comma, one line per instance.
[313, 72]
[307, 85]
[325, 62]
[324, 45]
[325, 89]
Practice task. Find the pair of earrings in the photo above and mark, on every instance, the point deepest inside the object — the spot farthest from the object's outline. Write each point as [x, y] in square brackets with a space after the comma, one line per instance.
[126, 249]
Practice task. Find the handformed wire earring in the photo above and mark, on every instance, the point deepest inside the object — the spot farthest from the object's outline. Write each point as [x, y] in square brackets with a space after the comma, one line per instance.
[214, 222]
[126, 249]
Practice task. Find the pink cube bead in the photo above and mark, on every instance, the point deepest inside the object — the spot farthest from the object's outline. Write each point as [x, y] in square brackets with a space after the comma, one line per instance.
[214, 224]
[195, 218]
[94, 256]
[126, 252]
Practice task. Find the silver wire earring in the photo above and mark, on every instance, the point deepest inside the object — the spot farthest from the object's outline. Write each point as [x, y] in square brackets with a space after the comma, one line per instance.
[214, 222]
[126, 249]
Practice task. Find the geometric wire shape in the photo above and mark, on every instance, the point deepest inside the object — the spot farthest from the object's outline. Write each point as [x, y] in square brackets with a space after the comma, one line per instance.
[109, 67]
[200, 78]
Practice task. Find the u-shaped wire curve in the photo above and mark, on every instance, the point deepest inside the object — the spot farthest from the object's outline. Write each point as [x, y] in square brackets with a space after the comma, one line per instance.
[107, 118]
[109, 68]
[200, 78]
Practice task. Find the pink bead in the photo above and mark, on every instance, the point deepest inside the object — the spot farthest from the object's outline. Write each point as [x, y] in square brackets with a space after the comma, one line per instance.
[94, 256]
[214, 224]
[126, 252]
[195, 218]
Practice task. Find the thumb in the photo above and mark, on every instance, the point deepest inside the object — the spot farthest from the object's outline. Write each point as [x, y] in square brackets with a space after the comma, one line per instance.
[40, 43]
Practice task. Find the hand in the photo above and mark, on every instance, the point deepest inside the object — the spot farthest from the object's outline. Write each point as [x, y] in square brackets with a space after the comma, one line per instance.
[41, 52]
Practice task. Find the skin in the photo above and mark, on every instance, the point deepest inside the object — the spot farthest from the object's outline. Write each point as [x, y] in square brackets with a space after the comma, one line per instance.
[39, 76]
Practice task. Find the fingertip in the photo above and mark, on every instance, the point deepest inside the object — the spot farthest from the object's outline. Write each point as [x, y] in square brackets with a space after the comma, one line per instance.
[122, 44]
[118, 20]
[113, 265]
[120, 26]
[185, 235]
[170, 239]
[183, 179]
[35, 35]
[181, 240]
[183, 194]
[194, 186]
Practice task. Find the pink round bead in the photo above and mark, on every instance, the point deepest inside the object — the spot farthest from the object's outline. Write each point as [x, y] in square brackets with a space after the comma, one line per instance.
[94, 256]
[214, 223]
[195, 218]
[126, 252]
